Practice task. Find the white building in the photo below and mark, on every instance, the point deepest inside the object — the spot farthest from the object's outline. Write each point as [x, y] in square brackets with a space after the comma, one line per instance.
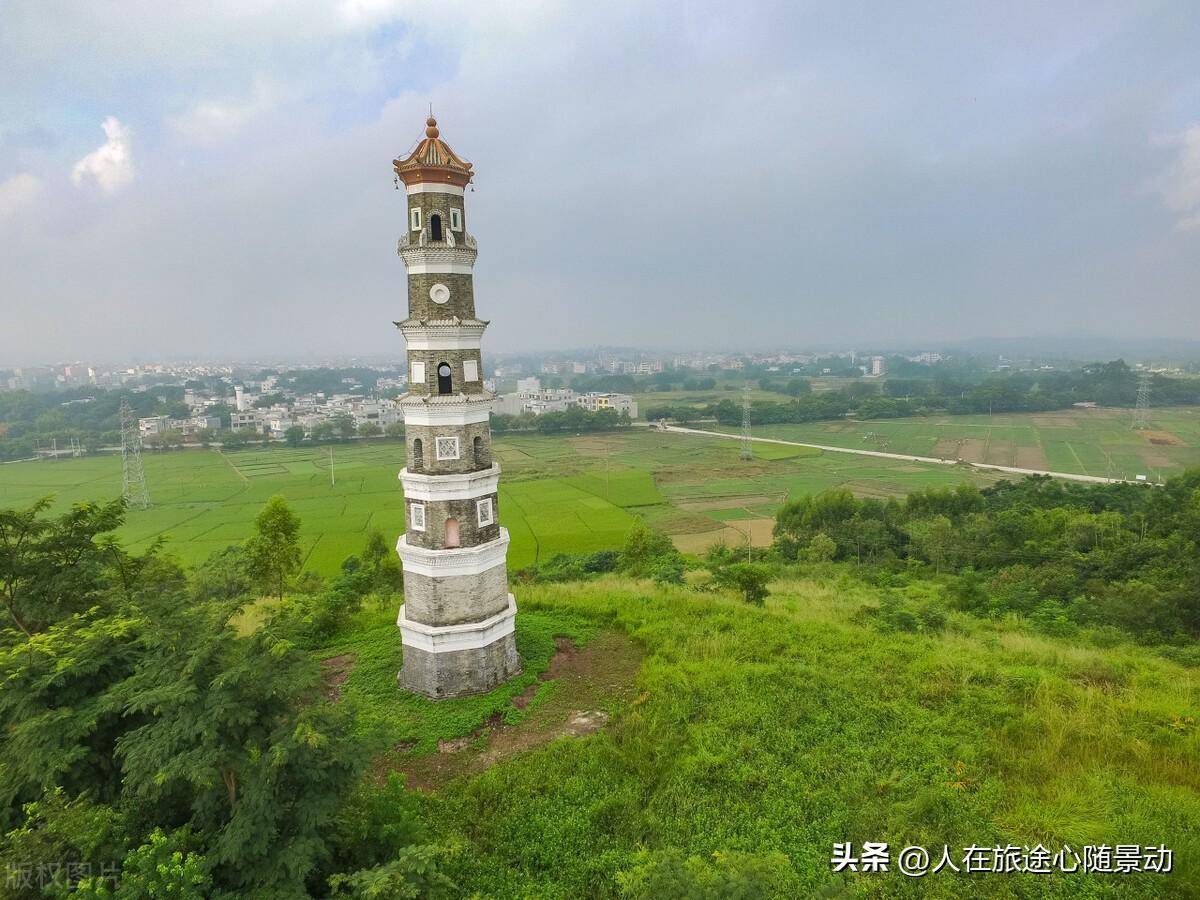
[249, 419]
[596, 401]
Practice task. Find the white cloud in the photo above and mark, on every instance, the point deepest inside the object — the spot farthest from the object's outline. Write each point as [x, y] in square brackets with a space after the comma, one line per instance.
[17, 193]
[110, 165]
[1180, 185]
[211, 122]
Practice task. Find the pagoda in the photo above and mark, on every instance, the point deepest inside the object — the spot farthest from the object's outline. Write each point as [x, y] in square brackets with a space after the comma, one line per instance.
[456, 622]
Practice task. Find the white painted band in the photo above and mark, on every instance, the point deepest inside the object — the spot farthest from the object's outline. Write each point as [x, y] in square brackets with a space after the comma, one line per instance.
[443, 341]
[459, 486]
[432, 187]
[440, 268]
[449, 563]
[462, 414]
[468, 636]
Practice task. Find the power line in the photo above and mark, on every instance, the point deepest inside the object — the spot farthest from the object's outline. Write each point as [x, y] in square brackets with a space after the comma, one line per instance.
[133, 476]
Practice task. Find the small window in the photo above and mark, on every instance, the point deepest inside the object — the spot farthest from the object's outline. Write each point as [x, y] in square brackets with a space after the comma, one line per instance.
[414, 218]
[470, 370]
[416, 516]
[445, 382]
[418, 373]
[447, 448]
[435, 227]
[478, 446]
[483, 509]
[455, 219]
[418, 456]
[452, 539]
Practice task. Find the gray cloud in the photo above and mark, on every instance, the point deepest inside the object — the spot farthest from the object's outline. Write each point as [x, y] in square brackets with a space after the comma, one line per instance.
[647, 174]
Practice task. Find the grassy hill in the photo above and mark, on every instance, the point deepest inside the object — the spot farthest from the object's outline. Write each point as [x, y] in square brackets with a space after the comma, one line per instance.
[747, 741]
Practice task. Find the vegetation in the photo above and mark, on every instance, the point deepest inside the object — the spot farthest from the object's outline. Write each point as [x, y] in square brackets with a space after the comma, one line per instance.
[860, 681]
[938, 392]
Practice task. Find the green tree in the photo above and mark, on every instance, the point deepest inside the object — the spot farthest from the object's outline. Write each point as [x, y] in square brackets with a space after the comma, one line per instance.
[163, 867]
[273, 553]
[51, 567]
[294, 435]
[644, 548]
[230, 733]
[748, 579]
[822, 548]
[369, 430]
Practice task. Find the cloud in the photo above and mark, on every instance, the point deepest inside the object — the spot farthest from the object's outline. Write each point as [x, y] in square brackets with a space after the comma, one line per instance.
[17, 193]
[1180, 185]
[110, 165]
[211, 122]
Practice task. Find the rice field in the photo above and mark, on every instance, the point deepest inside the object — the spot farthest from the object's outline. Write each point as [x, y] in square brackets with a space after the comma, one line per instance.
[573, 494]
[1085, 441]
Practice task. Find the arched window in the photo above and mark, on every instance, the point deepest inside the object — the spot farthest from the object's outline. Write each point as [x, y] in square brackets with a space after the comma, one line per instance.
[452, 533]
[418, 460]
[445, 384]
[478, 445]
[435, 227]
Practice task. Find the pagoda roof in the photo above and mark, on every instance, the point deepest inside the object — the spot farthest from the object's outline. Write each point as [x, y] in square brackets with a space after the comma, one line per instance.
[432, 161]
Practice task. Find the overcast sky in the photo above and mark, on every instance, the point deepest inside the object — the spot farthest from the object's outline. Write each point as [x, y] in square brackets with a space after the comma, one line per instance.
[214, 179]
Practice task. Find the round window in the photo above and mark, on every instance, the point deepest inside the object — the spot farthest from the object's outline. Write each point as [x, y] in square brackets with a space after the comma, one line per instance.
[439, 293]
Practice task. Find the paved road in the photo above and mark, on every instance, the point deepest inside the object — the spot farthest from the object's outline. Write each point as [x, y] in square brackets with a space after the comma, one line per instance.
[935, 460]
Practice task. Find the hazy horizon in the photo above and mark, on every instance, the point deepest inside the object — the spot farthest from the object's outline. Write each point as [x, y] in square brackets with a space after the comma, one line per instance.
[187, 182]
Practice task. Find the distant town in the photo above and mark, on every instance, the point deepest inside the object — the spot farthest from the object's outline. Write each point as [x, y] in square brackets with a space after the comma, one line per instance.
[232, 403]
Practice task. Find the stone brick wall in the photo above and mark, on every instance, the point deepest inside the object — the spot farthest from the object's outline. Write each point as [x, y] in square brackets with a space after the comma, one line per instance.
[466, 434]
[433, 358]
[470, 534]
[452, 601]
[439, 203]
[461, 302]
[461, 672]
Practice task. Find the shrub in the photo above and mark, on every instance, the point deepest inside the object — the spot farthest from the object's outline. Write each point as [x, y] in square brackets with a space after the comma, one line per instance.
[748, 579]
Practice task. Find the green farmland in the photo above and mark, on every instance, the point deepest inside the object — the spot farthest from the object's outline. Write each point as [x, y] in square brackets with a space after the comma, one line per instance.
[558, 494]
[1086, 441]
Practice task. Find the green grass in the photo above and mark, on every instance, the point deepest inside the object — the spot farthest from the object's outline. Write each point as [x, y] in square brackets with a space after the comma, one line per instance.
[388, 717]
[1087, 442]
[575, 494]
[557, 495]
[777, 732]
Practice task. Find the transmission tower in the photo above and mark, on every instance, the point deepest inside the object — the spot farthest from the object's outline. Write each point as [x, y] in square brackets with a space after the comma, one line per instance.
[133, 476]
[1141, 411]
[747, 449]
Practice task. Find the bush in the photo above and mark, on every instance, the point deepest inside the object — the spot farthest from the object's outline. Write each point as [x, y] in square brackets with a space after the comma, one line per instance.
[898, 613]
[748, 579]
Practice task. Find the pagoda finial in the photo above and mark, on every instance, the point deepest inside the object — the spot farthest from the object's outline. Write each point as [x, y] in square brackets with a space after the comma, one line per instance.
[431, 130]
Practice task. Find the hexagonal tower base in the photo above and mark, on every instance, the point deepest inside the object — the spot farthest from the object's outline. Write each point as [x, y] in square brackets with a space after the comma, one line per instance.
[455, 661]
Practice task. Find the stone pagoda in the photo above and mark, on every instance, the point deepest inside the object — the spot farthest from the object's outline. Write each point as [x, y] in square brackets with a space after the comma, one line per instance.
[457, 618]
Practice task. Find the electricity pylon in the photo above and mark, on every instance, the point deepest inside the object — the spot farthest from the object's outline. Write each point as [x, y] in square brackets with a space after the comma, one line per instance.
[1141, 410]
[747, 449]
[133, 476]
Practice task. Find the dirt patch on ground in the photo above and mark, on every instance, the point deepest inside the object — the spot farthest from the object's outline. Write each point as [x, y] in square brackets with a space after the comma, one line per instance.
[1163, 438]
[586, 686]
[730, 535]
[946, 448]
[334, 673]
[592, 446]
[1032, 458]
[972, 450]
[1002, 453]
[734, 502]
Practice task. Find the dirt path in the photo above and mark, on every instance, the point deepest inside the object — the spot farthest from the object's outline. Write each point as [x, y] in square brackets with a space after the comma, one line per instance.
[583, 687]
